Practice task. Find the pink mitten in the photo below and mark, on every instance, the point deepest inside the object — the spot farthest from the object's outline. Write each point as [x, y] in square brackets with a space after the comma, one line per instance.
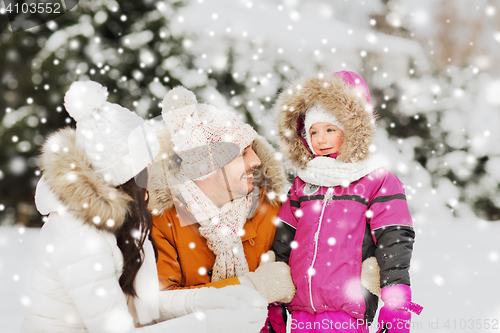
[395, 316]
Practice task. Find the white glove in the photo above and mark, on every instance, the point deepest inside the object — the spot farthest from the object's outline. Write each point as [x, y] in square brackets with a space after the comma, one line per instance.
[271, 279]
[249, 296]
[230, 309]
[192, 323]
[245, 319]
[177, 303]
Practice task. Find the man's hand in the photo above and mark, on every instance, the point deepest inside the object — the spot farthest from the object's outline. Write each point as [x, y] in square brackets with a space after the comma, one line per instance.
[271, 279]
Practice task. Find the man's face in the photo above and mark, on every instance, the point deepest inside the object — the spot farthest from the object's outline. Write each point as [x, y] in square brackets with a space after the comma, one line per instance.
[237, 176]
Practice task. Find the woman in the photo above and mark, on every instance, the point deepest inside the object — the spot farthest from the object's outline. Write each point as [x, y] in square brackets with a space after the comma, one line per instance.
[94, 268]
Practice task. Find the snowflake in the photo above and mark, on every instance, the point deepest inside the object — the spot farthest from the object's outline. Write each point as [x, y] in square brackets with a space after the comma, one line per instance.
[438, 280]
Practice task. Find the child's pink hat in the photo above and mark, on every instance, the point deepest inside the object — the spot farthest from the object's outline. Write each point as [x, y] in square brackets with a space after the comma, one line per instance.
[355, 81]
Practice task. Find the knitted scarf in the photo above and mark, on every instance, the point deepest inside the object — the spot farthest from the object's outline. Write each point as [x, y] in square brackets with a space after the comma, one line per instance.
[221, 227]
[327, 171]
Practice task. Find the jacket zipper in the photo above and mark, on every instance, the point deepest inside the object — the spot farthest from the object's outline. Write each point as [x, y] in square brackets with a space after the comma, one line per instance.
[316, 237]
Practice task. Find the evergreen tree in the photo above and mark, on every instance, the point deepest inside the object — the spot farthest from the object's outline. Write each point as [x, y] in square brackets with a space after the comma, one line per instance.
[448, 107]
[121, 45]
[128, 47]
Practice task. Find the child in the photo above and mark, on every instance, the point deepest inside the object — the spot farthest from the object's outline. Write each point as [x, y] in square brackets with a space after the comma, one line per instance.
[341, 209]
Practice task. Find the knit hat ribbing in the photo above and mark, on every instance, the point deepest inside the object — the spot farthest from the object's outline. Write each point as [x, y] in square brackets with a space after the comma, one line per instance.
[116, 141]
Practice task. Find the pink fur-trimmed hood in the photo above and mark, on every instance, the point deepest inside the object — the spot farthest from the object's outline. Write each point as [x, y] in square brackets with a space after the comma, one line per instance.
[345, 95]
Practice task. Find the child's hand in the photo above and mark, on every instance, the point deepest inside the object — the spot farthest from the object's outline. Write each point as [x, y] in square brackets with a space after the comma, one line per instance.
[395, 315]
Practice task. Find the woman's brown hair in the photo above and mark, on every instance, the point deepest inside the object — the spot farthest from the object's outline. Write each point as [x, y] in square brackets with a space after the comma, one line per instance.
[137, 227]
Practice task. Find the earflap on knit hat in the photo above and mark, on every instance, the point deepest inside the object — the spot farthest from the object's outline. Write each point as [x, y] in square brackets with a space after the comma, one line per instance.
[113, 138]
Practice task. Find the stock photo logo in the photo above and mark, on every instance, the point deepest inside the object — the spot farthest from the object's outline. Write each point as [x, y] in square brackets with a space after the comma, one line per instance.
[28, 14]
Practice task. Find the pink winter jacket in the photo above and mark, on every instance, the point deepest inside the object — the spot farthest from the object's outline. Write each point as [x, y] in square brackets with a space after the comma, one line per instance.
[327, 232]
[337, 228]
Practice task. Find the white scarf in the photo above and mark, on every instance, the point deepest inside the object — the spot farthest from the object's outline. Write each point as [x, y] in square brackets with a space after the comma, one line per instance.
[222, 228]
[327, 171]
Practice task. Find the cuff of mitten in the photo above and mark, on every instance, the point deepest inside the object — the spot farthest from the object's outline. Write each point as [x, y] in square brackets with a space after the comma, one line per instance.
[199, 300]
[183, 300]
[398, 291]
[399, 297]
[410, 306]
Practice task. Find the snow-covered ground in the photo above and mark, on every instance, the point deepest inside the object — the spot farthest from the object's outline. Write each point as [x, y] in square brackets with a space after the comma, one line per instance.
[17, 246]
[455, 271]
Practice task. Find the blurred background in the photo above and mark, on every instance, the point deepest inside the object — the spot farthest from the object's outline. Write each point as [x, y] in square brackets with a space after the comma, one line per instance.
[433, 67]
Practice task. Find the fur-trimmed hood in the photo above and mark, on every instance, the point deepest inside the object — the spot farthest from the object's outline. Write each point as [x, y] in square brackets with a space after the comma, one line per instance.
[69, 181]
[269, 175]
[344, 101]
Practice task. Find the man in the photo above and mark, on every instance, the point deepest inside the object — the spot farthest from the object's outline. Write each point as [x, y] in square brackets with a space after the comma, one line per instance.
[214, 199]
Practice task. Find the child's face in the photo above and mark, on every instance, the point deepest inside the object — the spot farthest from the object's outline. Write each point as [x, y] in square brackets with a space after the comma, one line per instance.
[326, 138]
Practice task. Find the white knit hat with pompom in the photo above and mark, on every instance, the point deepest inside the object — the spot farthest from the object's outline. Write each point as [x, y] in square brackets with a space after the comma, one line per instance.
[205, 138]
[117, 142]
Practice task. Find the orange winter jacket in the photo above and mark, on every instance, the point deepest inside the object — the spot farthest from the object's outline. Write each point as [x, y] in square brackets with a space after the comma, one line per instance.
[184, 259]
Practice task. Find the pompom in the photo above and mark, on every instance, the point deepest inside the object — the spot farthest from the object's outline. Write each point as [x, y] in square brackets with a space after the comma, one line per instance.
[177, 98]
[83, 97]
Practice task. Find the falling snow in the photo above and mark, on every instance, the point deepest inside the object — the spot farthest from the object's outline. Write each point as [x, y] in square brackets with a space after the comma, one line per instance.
[443, 129]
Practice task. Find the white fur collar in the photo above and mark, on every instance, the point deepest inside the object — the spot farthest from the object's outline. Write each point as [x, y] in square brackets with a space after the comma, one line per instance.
[327, 171]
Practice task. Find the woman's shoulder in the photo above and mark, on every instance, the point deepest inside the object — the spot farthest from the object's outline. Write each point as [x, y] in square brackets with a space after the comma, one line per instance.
[69, 236]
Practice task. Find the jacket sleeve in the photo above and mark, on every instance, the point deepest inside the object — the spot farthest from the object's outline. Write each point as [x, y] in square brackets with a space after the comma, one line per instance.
[392, 229]
[193, 323]
[85, 265]
[169, 269]
[286, 226]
